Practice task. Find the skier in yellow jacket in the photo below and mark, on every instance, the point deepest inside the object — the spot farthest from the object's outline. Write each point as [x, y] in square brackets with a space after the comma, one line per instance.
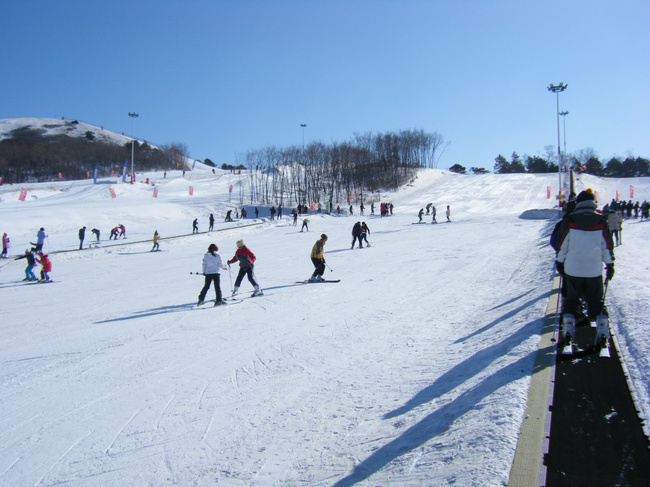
[318, 259]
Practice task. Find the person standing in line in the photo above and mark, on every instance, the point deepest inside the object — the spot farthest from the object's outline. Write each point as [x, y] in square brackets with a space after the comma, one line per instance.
[82, 235]
[40, 240]
[156, 237]
[585, 244]
[212, 265]
[31, 262]
[246, 259]
[5, 245]
[356, 235]
[364, 233]
[448, 213]
[318, 259]
[614, 221]
[211, 227]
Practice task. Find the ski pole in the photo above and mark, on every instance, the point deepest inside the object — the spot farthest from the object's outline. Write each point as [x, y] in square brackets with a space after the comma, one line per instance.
[197, 273]
[331, 270]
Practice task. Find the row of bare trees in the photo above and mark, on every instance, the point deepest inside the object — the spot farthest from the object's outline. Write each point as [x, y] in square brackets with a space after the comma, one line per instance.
[356, 170]
[32, 158]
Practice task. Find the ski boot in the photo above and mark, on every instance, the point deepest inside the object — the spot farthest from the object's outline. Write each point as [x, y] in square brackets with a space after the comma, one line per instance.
[602, 334]
[568, 330]
[257, 292]
[235, 290]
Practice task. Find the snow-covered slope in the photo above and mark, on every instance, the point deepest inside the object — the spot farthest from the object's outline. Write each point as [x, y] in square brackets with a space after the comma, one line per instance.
[413, 370]
[49, 127]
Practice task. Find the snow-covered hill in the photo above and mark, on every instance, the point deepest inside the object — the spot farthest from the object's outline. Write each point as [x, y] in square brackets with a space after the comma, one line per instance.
[413, 370]
[49, 127]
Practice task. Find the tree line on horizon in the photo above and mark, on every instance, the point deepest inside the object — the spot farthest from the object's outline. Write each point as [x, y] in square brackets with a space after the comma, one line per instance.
[350, 171]
[585, 160]
[29, 156]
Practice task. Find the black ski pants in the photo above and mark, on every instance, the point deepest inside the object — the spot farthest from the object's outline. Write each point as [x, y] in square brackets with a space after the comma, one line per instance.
[248, 272]
[589, 288]
[319, 265]
[209, 278]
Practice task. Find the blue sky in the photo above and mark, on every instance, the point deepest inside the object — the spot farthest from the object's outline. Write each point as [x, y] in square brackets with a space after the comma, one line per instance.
[226, 77]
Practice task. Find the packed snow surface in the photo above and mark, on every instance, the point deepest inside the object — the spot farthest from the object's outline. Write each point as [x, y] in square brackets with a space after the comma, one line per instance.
[412, 371]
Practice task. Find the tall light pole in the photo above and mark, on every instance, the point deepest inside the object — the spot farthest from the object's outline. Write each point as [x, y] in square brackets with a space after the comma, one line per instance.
[133, 117]
[557, 90]
[564, 114]
[303, 125]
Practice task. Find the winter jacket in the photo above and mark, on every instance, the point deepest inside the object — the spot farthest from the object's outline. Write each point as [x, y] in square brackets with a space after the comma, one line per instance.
[585, 242]
[40, 237]
[614, 221]
[356, 229]
[212, 263]
[317, 250]
[245, 257]
[5, 241]
[45, 263]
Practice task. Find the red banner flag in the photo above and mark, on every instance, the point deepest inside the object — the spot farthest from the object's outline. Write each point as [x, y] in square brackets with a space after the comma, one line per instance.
[618, 195]
[112, 191]
[548, 192]
[23, 194]
[155, 192]
[230, 190]
[596, 195]
[313, 206]
[631, 191]
[191, 191]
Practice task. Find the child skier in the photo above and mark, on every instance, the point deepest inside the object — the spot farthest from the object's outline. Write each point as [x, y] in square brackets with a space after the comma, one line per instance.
[31, 262]
[246, 260]
[46, 266]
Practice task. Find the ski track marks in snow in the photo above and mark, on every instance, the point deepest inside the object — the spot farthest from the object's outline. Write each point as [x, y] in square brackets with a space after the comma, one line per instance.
[413, 370]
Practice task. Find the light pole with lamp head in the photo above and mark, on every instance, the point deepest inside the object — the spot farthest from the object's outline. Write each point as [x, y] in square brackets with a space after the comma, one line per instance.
[133, 117]
[557, 90]
[303, 125]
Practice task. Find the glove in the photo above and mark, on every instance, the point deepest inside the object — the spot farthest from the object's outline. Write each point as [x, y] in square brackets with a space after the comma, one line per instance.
[560, 267]
[610, 272]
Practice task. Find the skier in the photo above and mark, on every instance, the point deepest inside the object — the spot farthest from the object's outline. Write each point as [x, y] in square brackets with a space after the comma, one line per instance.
[212, 265]
[211, 227]
[448, 213]
[364, 233]
[228, 216]
[614, 222]
[420, 213]
[195, 226]
[585, 244]
[429, 205]
[31, 262]
[82, 235]
[272, 211]
[318, 259]
[5, 245]
[114, 232]
[246, 260]
[40, 240]
[46, 266]
[305, 224]
[96, 232]
[294, 213]
[156, 237]
[433, 212]
[122, 231]
[356, 234]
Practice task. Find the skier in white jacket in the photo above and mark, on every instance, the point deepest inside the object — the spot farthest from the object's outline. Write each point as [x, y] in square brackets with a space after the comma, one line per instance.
[212, 265]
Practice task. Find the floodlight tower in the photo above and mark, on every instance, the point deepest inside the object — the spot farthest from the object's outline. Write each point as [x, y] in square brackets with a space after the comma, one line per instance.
[133, 117]
[557, 90]
[303, 125]
[564, 114]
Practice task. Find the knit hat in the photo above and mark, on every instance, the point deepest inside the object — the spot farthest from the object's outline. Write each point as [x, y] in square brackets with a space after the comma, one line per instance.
[240, 244]
[585, 195]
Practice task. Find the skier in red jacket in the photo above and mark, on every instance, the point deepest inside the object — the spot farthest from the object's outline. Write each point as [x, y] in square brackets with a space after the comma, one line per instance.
[246, 260]
[46, 266]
